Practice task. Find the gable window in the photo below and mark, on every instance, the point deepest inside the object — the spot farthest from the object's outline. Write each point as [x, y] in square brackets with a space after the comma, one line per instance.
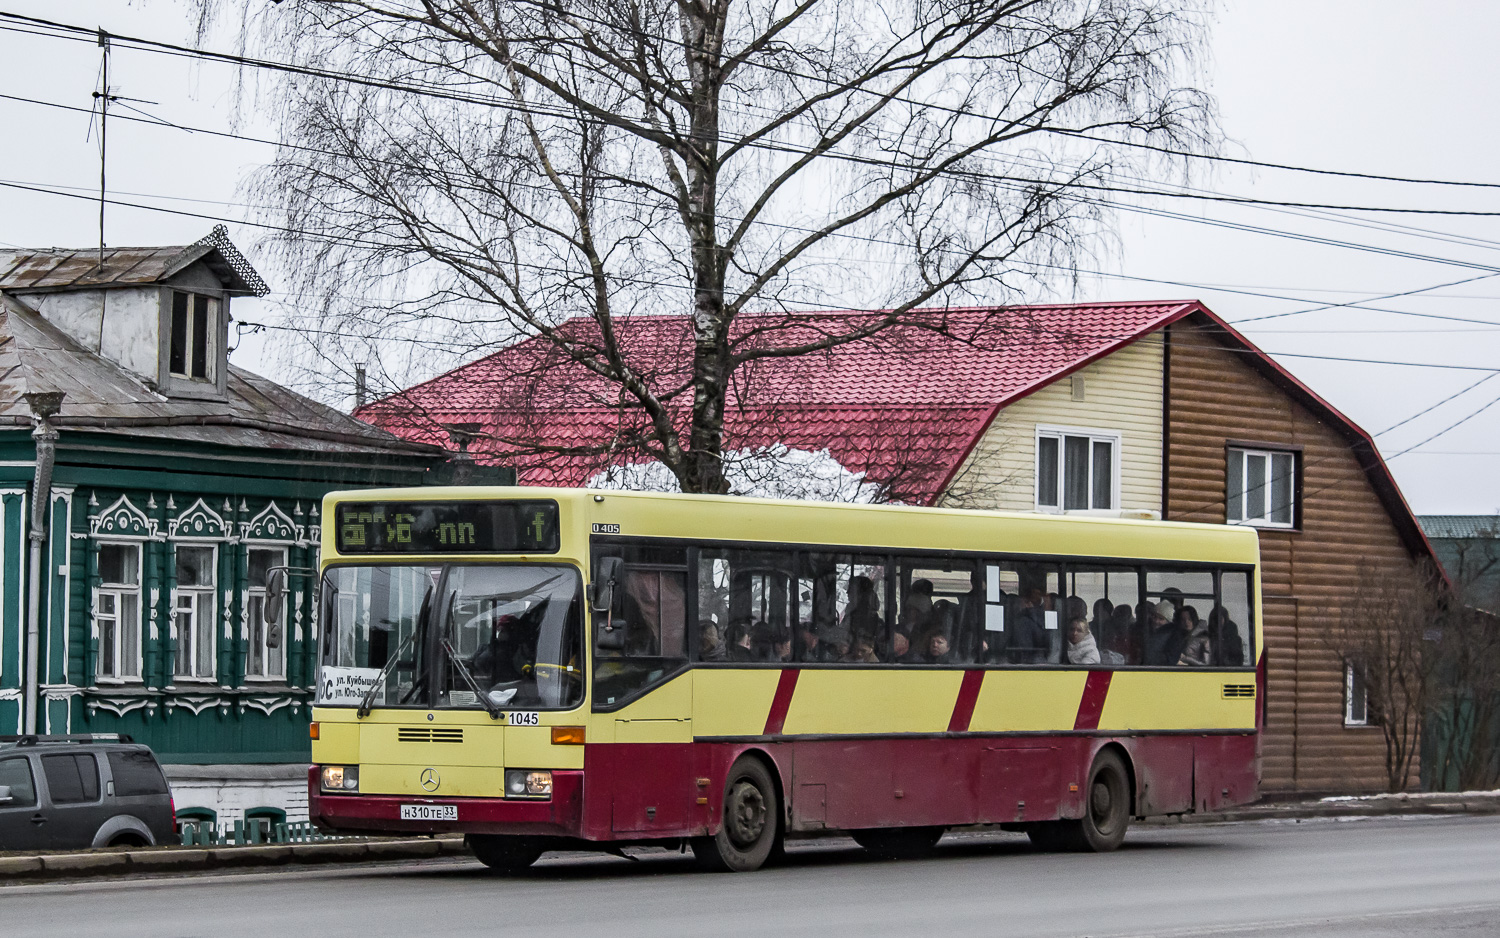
[190, 349]
[1076, 470]
[117, 611]
[266, 656]
[193, 612]
[1261, 488]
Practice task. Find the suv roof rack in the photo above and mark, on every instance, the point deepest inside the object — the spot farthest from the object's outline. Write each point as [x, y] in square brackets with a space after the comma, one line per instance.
[34, 739]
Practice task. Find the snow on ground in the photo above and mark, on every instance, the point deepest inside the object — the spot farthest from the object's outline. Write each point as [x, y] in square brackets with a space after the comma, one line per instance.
[1416, 796]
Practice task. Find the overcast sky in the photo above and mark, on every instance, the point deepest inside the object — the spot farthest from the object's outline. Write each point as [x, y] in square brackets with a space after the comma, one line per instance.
[1354, 86]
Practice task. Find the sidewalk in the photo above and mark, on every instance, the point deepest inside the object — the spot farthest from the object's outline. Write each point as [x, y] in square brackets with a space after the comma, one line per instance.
[1463, 802]
[174, 859]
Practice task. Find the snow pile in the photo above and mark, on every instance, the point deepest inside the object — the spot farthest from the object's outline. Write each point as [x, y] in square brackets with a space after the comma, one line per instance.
[775, 471]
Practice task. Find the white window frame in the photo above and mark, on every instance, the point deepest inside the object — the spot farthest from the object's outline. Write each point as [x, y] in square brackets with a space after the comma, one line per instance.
[1362, 718]
[194, 610]
[266, 654]
[1116, 441]
[121, 594]
[1242, 453]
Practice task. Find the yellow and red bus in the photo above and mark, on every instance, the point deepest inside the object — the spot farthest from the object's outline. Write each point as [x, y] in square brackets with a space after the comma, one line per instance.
[557, 668]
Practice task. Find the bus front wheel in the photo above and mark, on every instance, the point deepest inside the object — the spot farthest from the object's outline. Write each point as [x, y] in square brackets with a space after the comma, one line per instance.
[751, 824]
[504, 854]
[1106, 812]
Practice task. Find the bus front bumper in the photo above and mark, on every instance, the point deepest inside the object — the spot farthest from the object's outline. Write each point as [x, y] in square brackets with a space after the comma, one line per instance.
[558, 816]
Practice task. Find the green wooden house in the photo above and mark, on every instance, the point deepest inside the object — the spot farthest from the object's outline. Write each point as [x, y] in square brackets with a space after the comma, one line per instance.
[147, 487]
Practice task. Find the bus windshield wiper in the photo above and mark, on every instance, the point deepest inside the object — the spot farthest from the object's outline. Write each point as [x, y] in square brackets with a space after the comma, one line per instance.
[369, 699]
[490, 706]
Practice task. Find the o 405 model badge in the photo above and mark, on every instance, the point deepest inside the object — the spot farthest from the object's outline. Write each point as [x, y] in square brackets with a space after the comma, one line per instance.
[606, 528]
[430, 780]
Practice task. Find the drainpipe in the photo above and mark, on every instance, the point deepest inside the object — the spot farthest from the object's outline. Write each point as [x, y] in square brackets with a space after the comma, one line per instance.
[44, 406]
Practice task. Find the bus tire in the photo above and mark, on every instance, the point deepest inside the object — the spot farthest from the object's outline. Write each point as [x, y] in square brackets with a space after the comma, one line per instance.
[1106, 810]
[508, 855]
[751, 827]
[898, 843]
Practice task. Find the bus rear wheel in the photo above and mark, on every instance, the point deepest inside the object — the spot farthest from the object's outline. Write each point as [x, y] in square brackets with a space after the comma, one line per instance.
[503, 854]
[899, 843]
[1106, 814]
[751, 825]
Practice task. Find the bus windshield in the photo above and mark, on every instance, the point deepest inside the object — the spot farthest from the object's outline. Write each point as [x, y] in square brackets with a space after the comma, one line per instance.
[439, 635]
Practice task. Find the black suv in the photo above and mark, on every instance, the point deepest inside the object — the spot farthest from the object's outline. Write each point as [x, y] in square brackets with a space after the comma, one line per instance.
[61, 792]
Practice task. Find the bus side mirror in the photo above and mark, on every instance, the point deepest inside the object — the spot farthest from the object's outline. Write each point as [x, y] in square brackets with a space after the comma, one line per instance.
[275, 595]
[602, 592]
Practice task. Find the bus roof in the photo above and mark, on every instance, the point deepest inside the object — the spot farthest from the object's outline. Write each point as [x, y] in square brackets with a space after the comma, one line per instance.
[742, 518]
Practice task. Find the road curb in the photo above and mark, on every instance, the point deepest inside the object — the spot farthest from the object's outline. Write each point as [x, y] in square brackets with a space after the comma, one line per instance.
[114, 862]
[1383, 806]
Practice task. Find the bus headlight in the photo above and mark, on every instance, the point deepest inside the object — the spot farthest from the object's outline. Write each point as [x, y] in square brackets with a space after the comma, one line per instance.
[341, 778]
[527, 783]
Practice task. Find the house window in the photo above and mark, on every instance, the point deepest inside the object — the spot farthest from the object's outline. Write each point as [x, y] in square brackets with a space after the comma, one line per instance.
[266, 655]
[193, 612]
[1356, 702]
[1076, 470]
[1262, 487]
[117, 611]
[195, 320]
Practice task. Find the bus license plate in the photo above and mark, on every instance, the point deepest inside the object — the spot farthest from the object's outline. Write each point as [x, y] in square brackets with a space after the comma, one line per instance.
[429, 812]
[523, 718]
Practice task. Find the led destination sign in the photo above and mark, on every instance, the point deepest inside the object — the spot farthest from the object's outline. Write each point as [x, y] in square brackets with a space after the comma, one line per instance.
[509, 527]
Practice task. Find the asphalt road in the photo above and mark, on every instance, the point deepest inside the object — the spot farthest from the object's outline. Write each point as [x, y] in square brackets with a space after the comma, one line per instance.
[1369, 878]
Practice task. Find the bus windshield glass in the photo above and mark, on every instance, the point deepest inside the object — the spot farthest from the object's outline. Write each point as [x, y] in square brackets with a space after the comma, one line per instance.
[440, 635]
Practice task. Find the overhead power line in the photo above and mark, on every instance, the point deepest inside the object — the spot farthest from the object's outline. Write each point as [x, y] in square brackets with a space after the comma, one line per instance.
[536, 109]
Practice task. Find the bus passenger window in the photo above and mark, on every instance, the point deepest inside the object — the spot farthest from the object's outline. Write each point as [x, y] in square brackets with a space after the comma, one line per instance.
[1106, 597]
[644, 639]
[1023, 614]
[745, 603]
[1229, 621]
[941, 611]
[841, 609]
[1177, 627]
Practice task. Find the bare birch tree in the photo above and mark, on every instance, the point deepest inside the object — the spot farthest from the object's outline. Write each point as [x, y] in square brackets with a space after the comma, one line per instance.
[462, 174]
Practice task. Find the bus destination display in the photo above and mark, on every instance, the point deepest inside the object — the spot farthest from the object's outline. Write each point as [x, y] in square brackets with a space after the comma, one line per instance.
[447, 527]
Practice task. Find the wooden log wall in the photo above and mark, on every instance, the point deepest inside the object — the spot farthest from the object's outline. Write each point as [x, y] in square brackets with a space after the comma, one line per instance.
[1213, 396]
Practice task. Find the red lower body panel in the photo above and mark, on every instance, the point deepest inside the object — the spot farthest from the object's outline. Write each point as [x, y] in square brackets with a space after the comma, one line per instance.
[659, 791]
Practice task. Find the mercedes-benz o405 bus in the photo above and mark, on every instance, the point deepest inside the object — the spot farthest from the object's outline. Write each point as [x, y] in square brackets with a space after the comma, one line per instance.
[558, 668]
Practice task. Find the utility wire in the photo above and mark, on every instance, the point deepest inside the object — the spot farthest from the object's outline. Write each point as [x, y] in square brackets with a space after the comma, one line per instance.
[537, 110]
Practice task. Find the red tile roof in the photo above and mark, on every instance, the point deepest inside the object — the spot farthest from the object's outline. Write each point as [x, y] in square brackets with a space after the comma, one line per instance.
[904, 406]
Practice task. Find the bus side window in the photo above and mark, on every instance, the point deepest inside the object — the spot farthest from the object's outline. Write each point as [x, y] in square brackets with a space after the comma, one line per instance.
[1229, 622]
[1106, 597]
[940, 611]
[1177, 606]
[654, 609]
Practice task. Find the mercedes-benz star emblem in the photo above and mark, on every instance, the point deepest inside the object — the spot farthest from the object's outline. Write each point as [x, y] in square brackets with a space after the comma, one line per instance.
[430, 780]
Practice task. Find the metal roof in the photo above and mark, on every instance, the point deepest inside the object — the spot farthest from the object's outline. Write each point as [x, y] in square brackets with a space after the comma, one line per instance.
[72, 269]
[1461, 526]
[102, 396]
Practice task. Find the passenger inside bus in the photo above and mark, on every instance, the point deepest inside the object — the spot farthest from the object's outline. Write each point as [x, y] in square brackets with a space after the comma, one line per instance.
[1081, 647]
[1197, 651]
[1164, 640]
[1225, 636]
[1028, 640]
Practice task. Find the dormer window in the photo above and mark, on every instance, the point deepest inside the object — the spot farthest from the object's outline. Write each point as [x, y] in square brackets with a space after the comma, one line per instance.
[194, 324]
